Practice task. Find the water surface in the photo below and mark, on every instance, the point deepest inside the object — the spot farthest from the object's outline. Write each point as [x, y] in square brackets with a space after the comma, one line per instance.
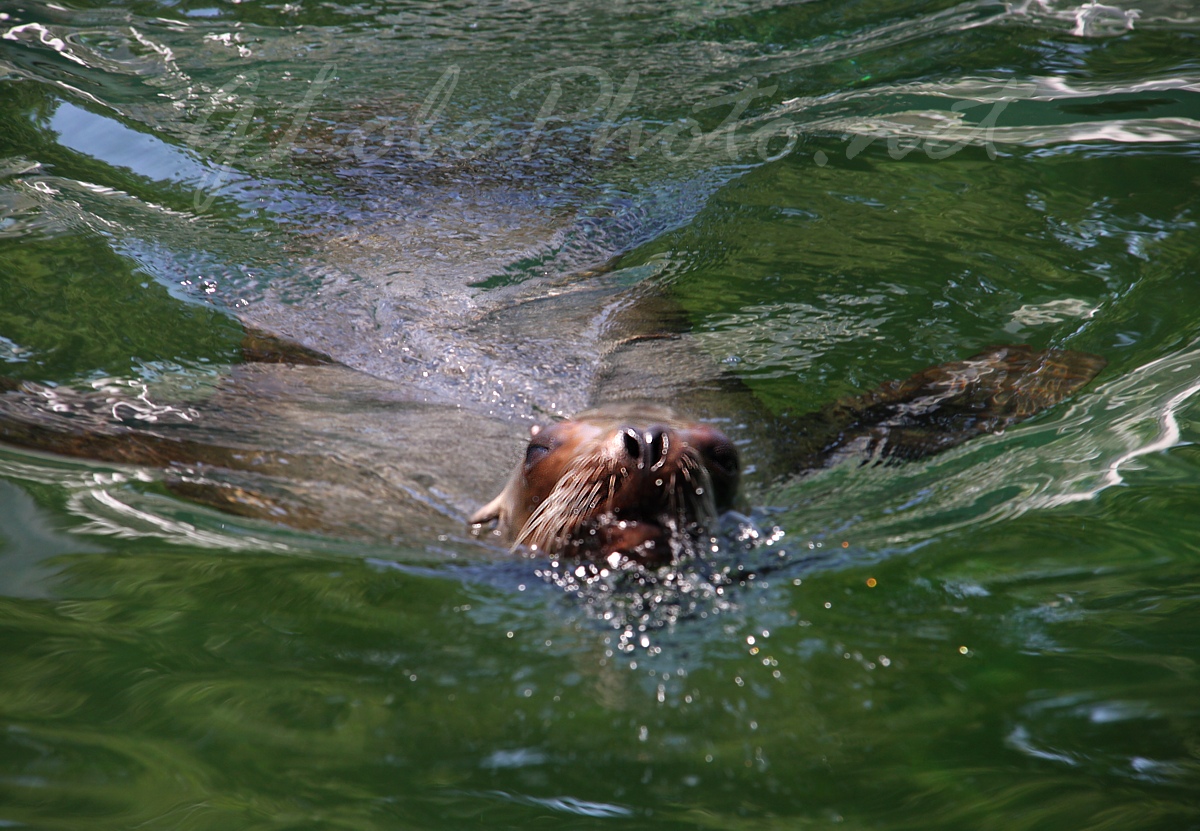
[839, 193]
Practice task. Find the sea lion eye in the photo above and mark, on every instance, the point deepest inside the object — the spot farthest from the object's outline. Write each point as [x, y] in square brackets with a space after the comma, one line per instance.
[723, 458]
[534, 453]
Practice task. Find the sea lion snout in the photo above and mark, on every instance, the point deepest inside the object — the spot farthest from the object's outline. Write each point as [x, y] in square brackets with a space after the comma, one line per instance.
[648, 448]
[622, 480]
[660, 451]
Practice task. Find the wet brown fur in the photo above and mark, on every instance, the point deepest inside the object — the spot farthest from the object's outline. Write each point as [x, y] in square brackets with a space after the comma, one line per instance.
[639, 468]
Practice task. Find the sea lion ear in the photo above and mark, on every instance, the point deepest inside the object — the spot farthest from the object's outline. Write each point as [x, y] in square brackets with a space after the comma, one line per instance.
[488, 512]
[495, 511]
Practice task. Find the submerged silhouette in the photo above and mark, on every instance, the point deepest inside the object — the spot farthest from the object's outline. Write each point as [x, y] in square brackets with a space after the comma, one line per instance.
[293, 437]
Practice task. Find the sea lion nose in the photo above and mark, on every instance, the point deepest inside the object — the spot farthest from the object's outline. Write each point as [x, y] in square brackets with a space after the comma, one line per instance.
[648, 447]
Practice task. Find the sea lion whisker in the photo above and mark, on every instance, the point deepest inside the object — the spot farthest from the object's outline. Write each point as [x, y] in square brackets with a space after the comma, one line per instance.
[699, 494]
[558, 516]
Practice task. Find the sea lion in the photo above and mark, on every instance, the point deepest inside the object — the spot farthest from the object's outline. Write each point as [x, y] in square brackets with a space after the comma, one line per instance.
[291, 436]
[644, 482]
[624, 480]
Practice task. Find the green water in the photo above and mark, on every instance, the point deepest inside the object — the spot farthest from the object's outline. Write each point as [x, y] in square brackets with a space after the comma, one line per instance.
[1004, 637]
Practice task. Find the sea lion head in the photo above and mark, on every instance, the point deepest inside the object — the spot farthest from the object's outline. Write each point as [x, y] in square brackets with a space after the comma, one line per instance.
[618, 481]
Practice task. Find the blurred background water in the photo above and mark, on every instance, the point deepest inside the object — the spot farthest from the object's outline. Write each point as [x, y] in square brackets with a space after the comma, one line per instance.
[840, 193]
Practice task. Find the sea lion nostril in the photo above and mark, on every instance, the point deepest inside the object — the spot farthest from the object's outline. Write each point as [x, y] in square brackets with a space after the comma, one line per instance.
[657, 445]
[633, 443]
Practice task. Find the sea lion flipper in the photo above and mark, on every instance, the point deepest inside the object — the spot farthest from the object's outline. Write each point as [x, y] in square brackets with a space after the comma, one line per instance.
[941, 407]
[259, 346]
[93, 425]
[997, 387]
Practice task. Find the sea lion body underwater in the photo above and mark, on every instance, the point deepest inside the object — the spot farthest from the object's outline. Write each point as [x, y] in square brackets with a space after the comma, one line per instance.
[292, 437]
